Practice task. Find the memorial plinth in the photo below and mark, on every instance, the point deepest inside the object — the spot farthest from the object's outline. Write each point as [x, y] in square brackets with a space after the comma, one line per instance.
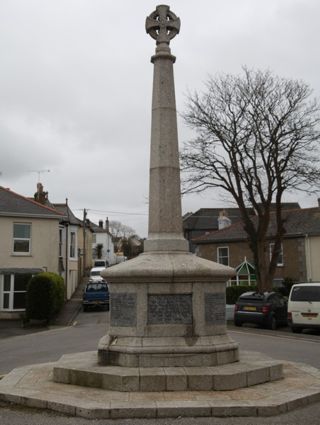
[167, 305]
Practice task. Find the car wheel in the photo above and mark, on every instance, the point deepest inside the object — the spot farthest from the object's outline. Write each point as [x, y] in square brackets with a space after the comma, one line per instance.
[237, 323]
[273, 323]
[296, 330]
[85, 308]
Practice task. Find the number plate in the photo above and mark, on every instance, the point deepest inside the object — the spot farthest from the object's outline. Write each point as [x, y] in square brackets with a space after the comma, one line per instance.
[309, 314]
[249, 308]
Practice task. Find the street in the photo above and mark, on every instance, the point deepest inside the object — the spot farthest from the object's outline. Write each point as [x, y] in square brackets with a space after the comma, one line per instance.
[49, 345]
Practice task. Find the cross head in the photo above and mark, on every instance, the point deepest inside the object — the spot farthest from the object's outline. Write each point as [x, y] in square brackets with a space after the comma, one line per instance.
[162, 24]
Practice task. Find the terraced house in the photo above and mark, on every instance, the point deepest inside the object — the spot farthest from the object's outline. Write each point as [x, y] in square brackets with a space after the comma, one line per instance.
[29, 244]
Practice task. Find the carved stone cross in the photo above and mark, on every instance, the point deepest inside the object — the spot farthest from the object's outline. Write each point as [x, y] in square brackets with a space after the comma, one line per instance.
[162, 24]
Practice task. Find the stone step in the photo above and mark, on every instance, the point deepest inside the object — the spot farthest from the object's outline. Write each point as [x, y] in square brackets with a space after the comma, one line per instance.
[83, 370]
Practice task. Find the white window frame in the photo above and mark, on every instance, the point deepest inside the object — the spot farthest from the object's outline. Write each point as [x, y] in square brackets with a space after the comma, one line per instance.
[11, 292]
[21, 239]
[279, 264]
[219, 257]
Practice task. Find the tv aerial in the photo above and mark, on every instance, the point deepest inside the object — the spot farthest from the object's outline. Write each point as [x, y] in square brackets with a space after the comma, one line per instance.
[39, 172]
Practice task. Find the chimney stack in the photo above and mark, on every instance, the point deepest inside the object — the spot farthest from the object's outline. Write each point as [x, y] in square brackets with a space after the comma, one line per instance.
[41, 196]
[223, 220]
[107, 224]
[101, 224]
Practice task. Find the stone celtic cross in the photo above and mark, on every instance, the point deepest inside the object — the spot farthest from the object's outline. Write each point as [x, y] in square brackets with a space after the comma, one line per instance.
[162, 24]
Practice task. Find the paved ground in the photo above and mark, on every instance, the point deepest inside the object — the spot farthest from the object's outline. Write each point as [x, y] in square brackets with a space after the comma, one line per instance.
[71, 308]
[33, 386]
[25, 416]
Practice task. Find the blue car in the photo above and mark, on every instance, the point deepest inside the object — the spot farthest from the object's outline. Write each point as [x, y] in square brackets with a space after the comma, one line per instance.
[96, 294]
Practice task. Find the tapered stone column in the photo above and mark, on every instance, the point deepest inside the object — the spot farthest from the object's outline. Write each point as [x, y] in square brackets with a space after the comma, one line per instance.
[165, 223]
[167, 305]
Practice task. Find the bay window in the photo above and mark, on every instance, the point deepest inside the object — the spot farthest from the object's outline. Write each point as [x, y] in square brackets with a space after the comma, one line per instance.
[13, 288]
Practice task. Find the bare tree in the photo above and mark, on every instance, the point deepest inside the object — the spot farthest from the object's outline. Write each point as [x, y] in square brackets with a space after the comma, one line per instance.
[119, 230]
[257, 137]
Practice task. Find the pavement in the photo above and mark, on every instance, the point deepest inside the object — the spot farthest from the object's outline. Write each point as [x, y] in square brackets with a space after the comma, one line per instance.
[71, 308]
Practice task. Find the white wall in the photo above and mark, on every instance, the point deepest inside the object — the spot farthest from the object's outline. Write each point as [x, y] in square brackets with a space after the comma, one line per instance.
[108, 249]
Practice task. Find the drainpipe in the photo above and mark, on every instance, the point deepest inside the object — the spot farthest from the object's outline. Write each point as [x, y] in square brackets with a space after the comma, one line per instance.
[84, 257]
[67, 254]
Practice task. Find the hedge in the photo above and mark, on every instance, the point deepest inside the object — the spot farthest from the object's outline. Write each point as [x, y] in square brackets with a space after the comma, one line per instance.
[234, 292]
[45, 296]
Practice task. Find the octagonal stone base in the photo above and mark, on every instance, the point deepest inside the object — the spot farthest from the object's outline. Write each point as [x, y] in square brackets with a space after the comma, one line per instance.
[167, 351]
[32, 386]
[83, 370]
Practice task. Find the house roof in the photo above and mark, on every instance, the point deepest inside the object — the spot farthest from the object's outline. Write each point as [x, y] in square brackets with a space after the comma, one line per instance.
[298, 222]
[14, 205]
[68, 214]
[98, 229]
[207, 218]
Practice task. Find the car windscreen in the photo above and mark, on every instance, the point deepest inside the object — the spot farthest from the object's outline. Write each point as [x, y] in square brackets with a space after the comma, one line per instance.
[305, 293]
[95, 273]
[96, 287]
[99, 263]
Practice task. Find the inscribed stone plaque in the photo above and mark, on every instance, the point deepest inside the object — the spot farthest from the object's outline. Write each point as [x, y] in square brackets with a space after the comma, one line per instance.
[123, 309]
[215, 309]
[170, 309]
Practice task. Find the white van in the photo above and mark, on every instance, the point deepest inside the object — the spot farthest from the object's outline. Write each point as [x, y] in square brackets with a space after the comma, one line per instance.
[95, 275]
[304, 306]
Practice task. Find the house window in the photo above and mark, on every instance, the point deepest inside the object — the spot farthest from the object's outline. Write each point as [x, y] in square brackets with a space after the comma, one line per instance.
[72, 244]
[223, 255]
[280, 256]
[13, 288]
[94, 238]
[21, 238]
[60, 242]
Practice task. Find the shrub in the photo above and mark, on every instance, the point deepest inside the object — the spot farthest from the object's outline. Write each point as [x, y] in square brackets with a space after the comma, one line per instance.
[45, 296]
[234, 292]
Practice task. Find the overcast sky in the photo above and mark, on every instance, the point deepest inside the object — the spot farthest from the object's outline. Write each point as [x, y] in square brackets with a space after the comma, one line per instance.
[76, 84]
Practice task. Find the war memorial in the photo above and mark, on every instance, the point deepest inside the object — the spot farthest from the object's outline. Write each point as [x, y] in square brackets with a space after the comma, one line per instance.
[166, 352]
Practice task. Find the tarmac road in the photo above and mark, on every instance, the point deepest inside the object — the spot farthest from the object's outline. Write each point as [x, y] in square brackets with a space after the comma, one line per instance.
[88, 328]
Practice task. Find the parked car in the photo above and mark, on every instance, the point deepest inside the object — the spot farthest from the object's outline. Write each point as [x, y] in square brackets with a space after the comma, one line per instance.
[96, 294]
[304, 307]
[267, 309]
[95, 274]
